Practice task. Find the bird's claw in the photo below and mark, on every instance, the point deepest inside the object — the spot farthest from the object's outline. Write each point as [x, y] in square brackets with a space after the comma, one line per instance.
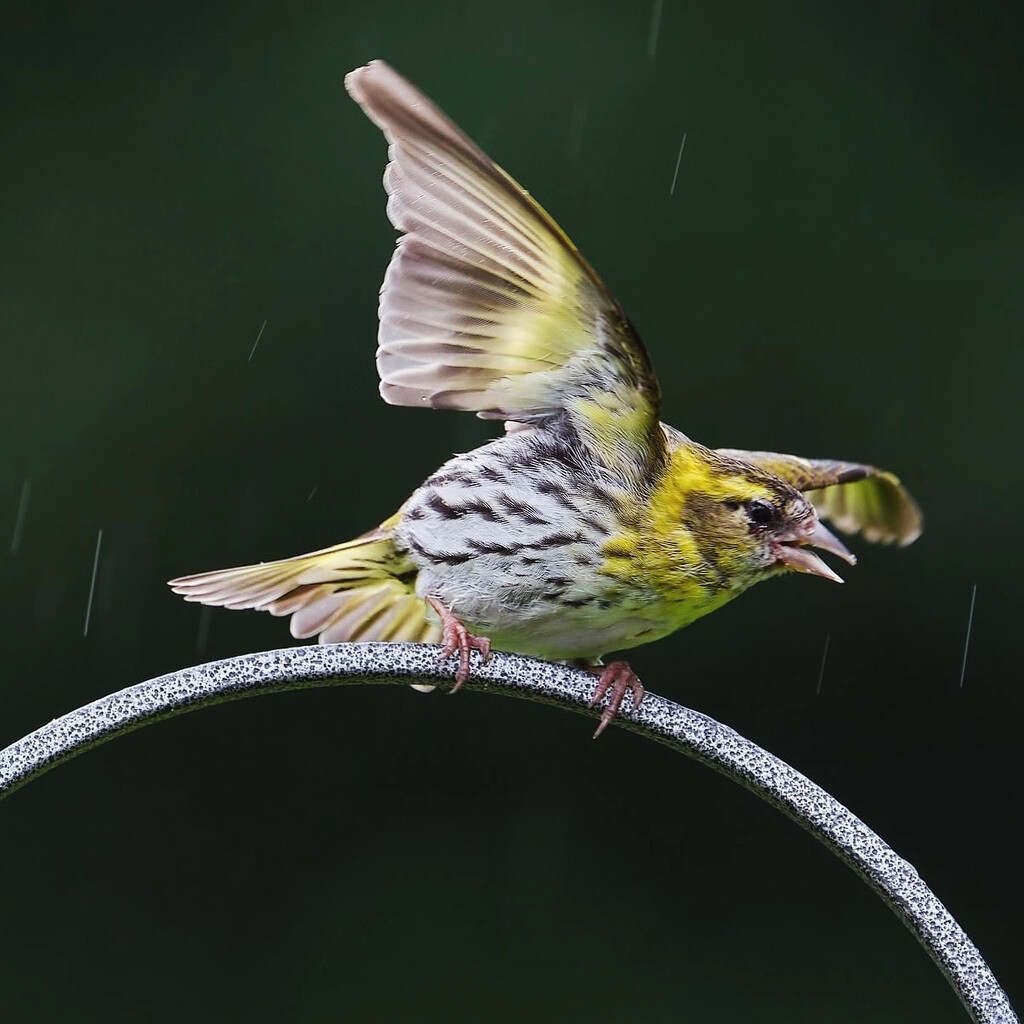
[456, 638]
[616, 678]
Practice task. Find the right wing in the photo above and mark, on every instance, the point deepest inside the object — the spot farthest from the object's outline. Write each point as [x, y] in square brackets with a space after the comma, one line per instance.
[487, 305]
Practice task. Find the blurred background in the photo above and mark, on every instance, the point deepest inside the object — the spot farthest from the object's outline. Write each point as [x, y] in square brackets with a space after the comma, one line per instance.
[193, 236]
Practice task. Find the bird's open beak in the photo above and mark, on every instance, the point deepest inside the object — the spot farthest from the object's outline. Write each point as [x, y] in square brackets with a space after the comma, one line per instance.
[792, 551]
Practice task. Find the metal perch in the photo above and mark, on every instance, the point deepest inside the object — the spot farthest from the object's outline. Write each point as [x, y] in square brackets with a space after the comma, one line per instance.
[677, 727]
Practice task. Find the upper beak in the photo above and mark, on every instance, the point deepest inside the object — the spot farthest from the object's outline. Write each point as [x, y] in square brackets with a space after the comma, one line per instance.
[792, 551]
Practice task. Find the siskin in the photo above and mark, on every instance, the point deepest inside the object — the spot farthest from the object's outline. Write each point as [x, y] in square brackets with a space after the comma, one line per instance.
[590, 526]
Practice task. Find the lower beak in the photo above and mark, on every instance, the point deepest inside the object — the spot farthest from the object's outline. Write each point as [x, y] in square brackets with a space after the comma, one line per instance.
[803, 560]
[793, 553]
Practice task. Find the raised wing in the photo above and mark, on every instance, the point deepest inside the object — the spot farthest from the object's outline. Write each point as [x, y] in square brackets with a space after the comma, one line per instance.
[855, 497]
[487, 305]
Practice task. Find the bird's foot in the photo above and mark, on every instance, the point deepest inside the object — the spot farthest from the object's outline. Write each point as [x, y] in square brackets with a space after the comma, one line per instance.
[457, 638]
[615, 678]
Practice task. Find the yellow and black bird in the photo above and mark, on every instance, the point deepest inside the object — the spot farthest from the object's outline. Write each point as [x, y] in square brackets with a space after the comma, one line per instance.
[589, 526]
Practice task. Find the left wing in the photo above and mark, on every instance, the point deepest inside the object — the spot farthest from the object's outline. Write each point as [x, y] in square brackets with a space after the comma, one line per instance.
[857, 498]
[487, 305]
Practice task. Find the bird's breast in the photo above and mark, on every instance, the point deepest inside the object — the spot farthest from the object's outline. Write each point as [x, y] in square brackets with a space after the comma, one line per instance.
[511, 539]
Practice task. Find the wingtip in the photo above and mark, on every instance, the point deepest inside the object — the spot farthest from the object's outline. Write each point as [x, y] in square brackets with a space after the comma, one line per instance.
[352, 82]
[186, 589]
[908, 538]
[356, 79]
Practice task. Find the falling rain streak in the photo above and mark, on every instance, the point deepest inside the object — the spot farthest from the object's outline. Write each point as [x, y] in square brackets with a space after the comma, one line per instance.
[92, 585]
[824, 658]
[967, 640]
[203, 633]
[19, 521]
[652, 37]
[679, 160]
[257, 341]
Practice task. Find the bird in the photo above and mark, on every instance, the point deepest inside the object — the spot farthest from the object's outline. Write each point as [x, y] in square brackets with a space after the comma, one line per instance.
[589, 527]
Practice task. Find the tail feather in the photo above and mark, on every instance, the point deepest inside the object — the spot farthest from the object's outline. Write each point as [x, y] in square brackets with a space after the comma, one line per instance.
[360, 590]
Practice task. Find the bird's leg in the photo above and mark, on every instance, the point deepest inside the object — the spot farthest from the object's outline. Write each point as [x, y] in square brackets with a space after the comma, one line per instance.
[617, 677]
[457, 638]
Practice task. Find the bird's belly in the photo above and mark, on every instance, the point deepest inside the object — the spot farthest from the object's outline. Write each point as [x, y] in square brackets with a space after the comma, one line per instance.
[552, 602]
[561, 633]
[548, 606]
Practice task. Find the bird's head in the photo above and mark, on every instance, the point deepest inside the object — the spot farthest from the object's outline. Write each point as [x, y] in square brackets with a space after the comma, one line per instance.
[739, 522]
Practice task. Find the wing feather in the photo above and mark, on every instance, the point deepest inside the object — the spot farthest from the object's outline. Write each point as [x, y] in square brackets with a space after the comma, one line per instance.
[359, 590]
[487, 305]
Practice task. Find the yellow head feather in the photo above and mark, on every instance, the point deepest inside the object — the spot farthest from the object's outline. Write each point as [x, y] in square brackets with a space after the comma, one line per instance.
[691, 539]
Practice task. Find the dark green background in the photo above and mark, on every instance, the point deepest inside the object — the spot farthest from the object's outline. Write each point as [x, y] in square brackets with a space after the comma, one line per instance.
[838, 273]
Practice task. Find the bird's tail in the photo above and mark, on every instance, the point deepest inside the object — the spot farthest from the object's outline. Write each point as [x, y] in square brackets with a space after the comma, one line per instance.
[363, 589]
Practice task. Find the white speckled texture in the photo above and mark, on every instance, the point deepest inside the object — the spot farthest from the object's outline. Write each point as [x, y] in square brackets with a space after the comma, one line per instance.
[684, 730]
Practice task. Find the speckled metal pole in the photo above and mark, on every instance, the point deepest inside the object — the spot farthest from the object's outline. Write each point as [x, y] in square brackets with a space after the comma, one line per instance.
[687, 731]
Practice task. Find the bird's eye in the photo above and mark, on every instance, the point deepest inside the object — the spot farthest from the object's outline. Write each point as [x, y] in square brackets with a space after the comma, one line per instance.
[761, 513]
